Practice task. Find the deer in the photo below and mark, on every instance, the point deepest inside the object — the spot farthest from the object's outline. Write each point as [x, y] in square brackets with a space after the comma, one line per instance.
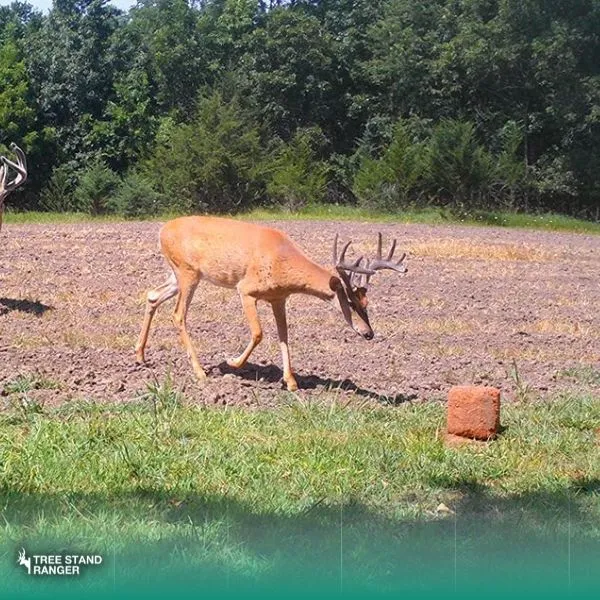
[262, 264]
[7, 186]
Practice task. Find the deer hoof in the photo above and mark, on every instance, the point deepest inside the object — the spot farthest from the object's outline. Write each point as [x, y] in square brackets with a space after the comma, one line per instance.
[291, 384]
[200, 374]
[235, 363]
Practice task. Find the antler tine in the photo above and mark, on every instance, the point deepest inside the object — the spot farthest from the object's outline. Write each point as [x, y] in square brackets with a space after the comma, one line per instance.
[335, 241]
[340, 263]
[392, 249]
[378, 263]
[343, 254]
[379, 247]
[20, 156]
[335, 254]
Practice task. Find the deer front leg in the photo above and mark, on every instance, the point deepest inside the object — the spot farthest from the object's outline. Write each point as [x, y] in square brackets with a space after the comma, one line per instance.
[249, 306]
[282, 330]
[187, 286]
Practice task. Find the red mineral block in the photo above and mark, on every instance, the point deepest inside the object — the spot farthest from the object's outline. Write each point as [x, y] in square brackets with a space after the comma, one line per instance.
[474, 412]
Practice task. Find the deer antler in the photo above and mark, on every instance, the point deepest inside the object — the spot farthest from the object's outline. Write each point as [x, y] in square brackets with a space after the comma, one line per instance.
[20, 167]
[6, 187]
[341, 265]
[378, 263]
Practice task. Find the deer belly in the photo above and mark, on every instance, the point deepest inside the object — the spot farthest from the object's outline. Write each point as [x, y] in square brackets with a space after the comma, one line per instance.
[223, 279]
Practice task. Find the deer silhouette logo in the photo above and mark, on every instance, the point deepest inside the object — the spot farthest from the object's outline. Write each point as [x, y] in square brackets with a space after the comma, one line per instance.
[23, 560]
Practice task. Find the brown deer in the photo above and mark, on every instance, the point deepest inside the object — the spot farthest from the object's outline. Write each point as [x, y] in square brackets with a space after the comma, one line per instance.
[6, 186]
[262, 264]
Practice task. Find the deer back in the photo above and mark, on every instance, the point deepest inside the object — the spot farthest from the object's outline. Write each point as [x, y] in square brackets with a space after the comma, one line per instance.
[227, 251]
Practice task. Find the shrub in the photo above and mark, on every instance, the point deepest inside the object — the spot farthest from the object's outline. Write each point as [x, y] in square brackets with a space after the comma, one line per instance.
[136, 197]
[459, 167]
[97, 185]
[297, 178]
[215, 163]
[57, 195]
[396, 179]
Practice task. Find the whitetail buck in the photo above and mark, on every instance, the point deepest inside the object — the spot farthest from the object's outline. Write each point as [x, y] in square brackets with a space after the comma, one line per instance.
[262, 264]
[6, 186]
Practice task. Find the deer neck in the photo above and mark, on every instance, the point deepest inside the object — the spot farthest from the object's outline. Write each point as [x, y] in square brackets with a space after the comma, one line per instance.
[312, 279]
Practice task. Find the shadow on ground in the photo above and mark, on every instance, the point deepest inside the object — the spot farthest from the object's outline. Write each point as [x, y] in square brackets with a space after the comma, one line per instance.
[538, 541]
[27, 306]
[273, 374]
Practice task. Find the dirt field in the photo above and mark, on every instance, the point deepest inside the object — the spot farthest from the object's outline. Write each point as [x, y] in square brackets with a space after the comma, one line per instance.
[474, 303]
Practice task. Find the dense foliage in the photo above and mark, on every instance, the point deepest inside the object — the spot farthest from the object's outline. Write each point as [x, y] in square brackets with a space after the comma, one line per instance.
[216, 105]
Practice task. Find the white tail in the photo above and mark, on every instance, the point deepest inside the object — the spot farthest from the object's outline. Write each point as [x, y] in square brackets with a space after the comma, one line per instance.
[262, 264]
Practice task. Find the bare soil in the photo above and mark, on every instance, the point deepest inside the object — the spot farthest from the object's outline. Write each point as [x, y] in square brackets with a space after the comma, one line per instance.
[510, 308]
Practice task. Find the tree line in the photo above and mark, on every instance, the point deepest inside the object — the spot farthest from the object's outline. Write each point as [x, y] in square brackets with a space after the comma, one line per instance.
[220, 105]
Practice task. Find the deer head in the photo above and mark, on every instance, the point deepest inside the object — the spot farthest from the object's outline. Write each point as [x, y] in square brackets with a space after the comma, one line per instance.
[8, 185]
[351, 293]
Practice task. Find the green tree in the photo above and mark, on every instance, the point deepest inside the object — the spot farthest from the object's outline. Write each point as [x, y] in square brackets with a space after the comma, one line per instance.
[19, 122]
[297, 177]
[72, 67]
[397, 178]
[459, 166]
[289, 73]
[96, 189]
[167, 32]
[215, 163]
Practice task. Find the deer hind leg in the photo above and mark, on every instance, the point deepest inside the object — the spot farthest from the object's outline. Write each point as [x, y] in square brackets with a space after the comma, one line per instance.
[188, 282]
[282, 331]
[154, 299]
[249, 306]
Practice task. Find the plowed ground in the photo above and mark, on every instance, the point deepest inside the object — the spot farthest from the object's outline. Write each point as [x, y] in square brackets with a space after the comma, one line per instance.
[510, 308]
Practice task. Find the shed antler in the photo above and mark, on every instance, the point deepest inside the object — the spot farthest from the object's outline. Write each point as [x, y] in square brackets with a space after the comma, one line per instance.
[6, 186]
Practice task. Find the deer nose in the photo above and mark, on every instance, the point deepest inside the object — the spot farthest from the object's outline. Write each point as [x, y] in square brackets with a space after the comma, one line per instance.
[369, 335]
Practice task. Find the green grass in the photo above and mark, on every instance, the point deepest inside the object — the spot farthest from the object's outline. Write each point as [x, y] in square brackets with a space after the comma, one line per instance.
[259, 493]
[430, 216]
[587, 375]
[377, 457]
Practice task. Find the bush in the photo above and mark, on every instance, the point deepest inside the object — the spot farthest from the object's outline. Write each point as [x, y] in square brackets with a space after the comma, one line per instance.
[297, 178]
[396, 179]
[97, 185]
[136, 197]
[215, 163]
[57, 195]
[460, 169]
